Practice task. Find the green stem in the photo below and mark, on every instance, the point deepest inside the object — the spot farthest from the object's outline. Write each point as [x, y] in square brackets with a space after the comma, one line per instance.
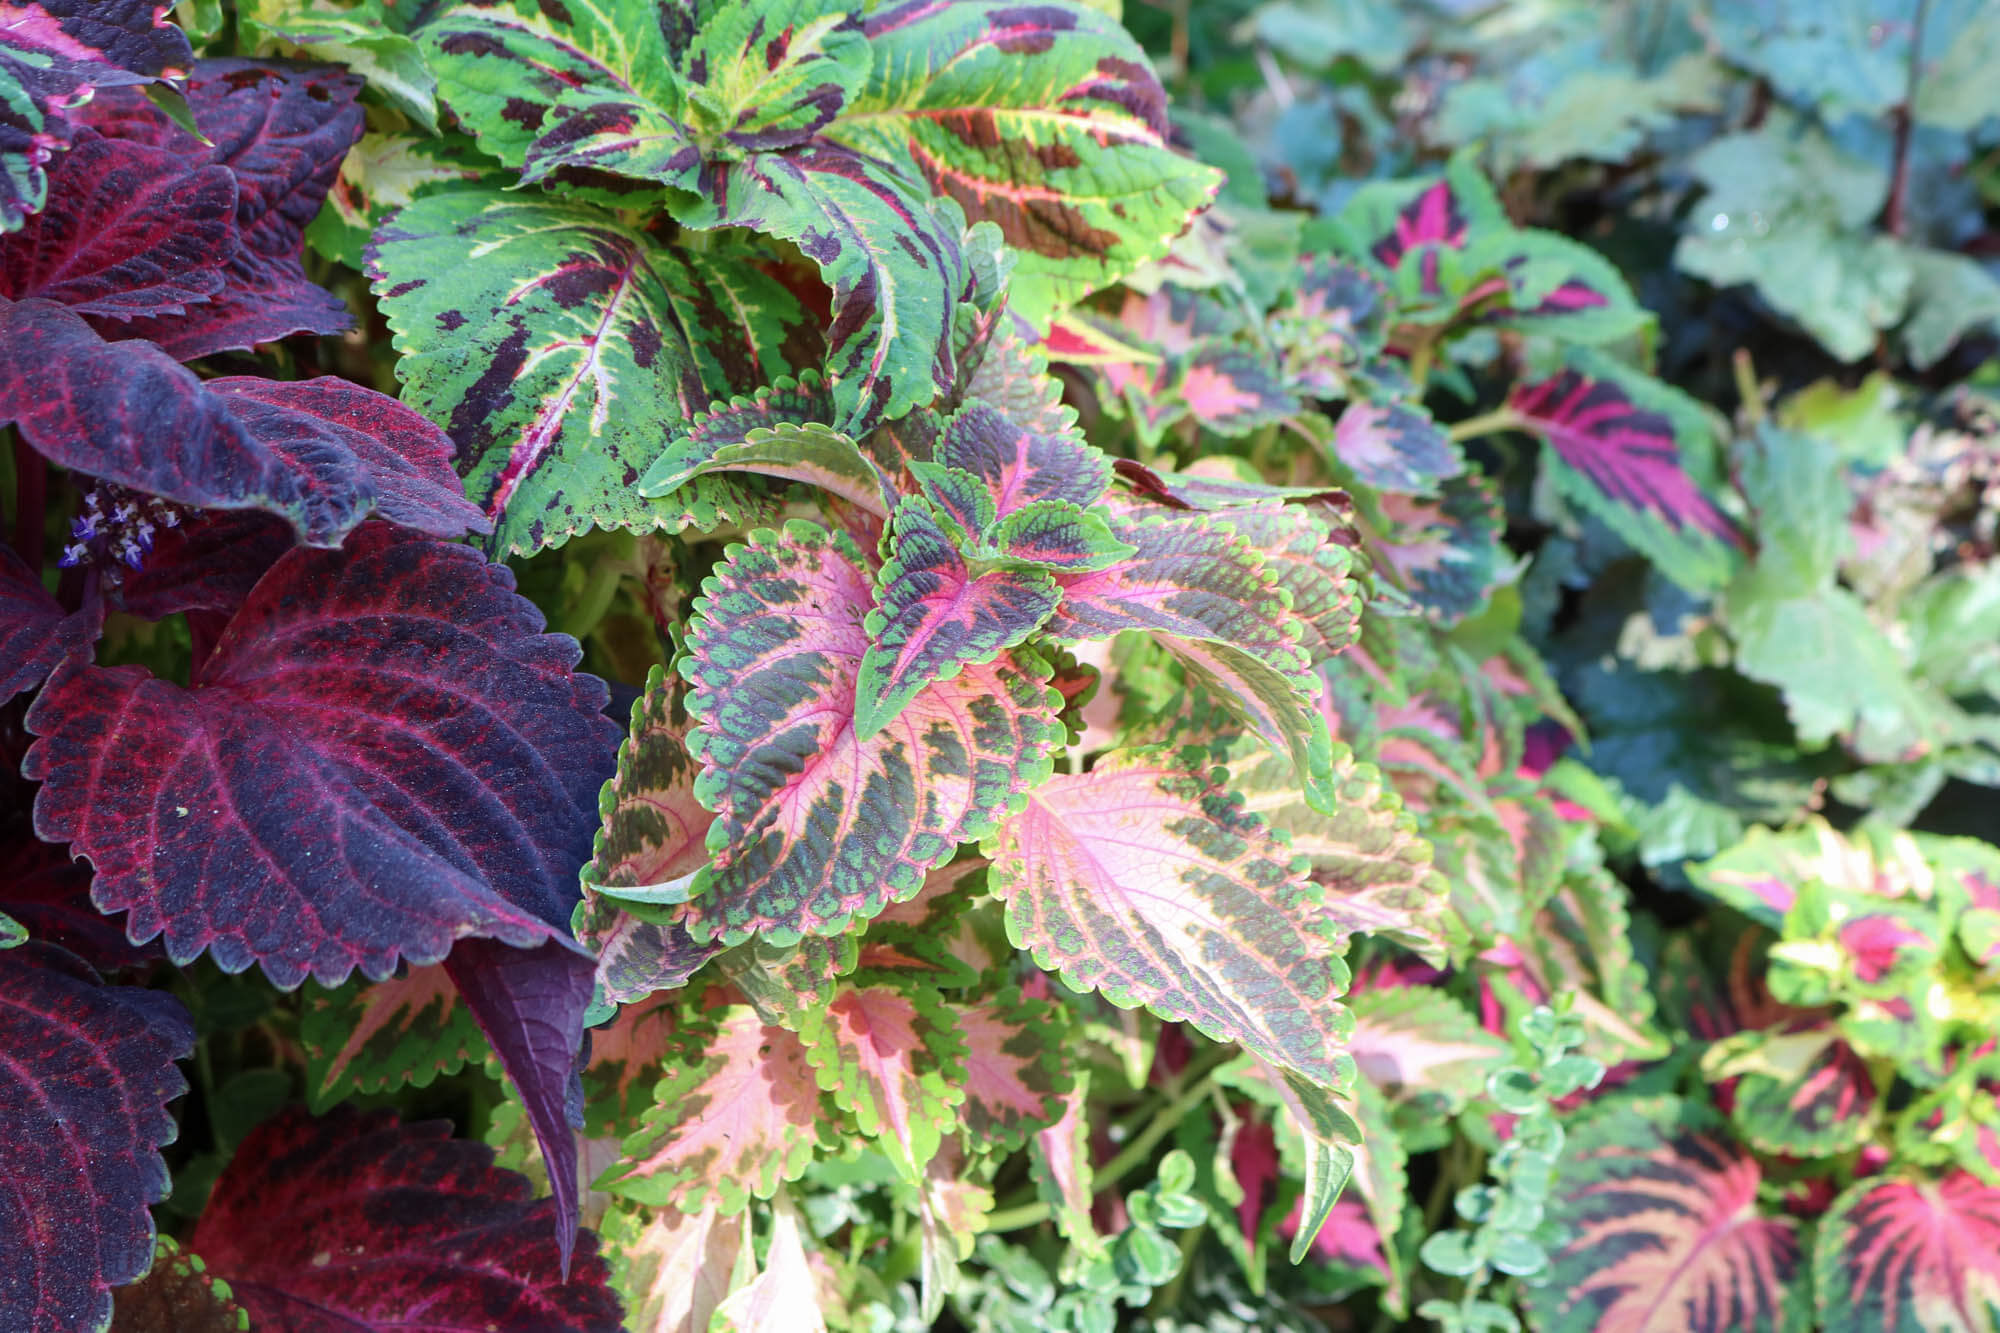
[1486, 423]
[1014, 1219]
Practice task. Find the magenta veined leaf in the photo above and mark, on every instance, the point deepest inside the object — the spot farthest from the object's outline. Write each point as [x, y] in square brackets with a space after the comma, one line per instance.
[1800, 1089]
[363, 725]
[52, 54]
[282, 130]
[83, 1095]
[1146, 881]
[1395, 447]
[1666, 1231]
[1904, 1254]
[816, 826]
[933, 617]
[1019, 465]
[131, 230]
[892, 1056]
[382, 1035]
[1015, 1071]
[351, 1222]
[318, 453]
[35, 631]
[737, 1114]
[1619, 441]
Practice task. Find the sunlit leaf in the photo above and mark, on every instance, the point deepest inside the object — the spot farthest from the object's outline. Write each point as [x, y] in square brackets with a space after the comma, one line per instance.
[893, 1057]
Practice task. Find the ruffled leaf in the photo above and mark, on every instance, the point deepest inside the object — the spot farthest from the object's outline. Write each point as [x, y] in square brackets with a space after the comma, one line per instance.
[817, 827]
[1147, 882]
[83, 1095]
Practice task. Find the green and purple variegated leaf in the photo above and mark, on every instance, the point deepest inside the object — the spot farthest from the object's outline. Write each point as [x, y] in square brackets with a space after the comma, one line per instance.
[786, 401]
[1395, 447]
[816, 826]
[561, 350]
[1148, 882]
[933, 617]
[1666, 1231]
[1446, 553]
[1013, 376]
[360, 36]
[653, 832]
[1904, 1254]
[1207, 596]
[1233, 390]
[736, 1114]
[1044, 119]
[892, 1057]
[1801, 1089]
[53, 53]
[771, 75]
[1015, 1073]
[1018, 465]
[785, 982]
[383, 1035]
[1337, 321]
[1313, 565]
[1621, 442]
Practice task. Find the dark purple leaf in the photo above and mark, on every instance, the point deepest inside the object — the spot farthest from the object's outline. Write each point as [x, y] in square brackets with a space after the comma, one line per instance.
[52, 52]
[355, 1223]
[530, 1003]
[208, 564]
[87, 1074]
[283, 129]
[129, 230]
[50, 894]
[383, 755]
[35, 631]
[319, 453]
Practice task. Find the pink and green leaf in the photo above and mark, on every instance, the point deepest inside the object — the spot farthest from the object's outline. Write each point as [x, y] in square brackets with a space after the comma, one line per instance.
[1419, 1042]
[894, 1058]
[379, 1036]
[1018, 464]
[1015, 1071]
[841, 825]
[672, 1268]
[1800, 1089]
[1395, 447]
[1901, 1253]
[1146, 881]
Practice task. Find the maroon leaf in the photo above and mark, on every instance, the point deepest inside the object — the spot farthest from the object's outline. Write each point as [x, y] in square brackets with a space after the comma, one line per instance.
[88, 1071]
[383, 754]
[282, 129]
[52, 53]
[50, 895]
[130, 230]
[355, 1223]
[35, 631]
[209, 564]
[319, 453]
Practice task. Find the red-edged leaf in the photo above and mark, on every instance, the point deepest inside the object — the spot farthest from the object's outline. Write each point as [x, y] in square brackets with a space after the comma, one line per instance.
[318, 453]
[1395, 447]
[88, 1071]
[653, 831]
[933, 617]
[282, 129]
[52, 54]
[1666, 1232]
[1148, 882]
[893, 1058]
[132, 230]
[817, 827]
[179, 1295]
[35, 631]
[353, 1223]
[1909, 1255]
[1015, 1074]
[736, 1114]
[374, 1037]
[342, 785]
[1620, 453]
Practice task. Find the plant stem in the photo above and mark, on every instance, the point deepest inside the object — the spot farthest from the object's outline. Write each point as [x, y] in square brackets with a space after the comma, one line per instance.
[31, 503]
[1486, 423]
[1014, 1219]
[1894, 221]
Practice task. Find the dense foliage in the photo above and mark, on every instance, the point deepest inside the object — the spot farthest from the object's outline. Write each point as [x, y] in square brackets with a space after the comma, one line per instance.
[1328, 664]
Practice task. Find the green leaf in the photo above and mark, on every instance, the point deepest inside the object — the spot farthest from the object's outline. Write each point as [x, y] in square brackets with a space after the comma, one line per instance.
[553, 343]
[379, 175]
[811, 453]
[380, 1036]
[1146, 881]
[358, 36]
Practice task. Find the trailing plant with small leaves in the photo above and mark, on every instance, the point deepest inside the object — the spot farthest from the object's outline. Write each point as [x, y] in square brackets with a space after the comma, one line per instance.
[818, 665]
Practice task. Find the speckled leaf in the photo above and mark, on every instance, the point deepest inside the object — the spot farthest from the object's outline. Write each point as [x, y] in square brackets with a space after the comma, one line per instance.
[1148, 882]
[1015, 1073]
[933, 617]
[1619, 449]
[773, 73]
[815, 826]
[1206, 595]
[347, 1223]
[1299, 544]
[383, 798]
[653, 831]
[281, 129]
[35, 631]
[1903, 1254]
[892, 1057]
[561, 350]
[1395, 447]
[1045, 119]
[736, 1114]
[179, 1295]
[83, 1095]
[379, 1036]
[53, 53]
[1666, 1232]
